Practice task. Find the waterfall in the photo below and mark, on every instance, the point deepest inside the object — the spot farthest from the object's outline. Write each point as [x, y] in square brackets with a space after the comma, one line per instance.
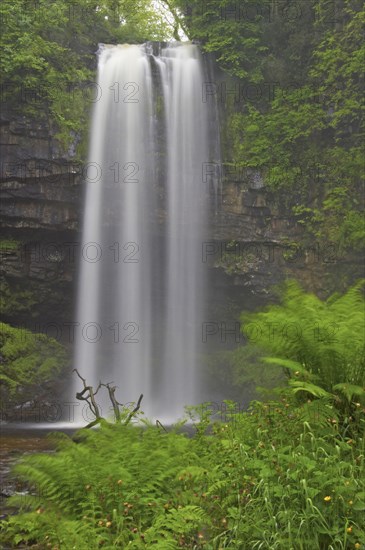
[142, 280]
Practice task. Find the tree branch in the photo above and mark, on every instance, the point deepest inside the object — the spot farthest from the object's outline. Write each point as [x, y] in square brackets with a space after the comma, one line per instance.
[92, 403]
[158, 424]
[178, 21]
[88, 394]
[115, 403]
[136, 408]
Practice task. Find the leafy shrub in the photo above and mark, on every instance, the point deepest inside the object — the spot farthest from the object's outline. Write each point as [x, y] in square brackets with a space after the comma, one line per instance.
[27, 359]
[265, 479]
[319, 344]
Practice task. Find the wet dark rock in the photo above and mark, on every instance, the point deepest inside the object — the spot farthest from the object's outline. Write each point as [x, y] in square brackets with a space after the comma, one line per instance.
[41, 209]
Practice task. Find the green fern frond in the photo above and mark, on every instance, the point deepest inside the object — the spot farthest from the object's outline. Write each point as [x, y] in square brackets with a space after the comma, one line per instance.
[314, 390]
[349, 390]
[294, 366]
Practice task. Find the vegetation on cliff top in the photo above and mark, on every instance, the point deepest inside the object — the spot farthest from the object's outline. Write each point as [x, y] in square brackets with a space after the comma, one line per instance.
[48, 54]
[293, 105]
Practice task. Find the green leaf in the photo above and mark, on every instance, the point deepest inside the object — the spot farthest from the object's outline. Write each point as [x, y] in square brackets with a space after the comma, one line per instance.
[359, 505]
[349, 390]
[314, 390]
[288, 364]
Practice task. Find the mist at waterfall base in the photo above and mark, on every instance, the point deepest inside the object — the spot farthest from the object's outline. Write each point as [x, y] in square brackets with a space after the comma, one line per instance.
[142, 283]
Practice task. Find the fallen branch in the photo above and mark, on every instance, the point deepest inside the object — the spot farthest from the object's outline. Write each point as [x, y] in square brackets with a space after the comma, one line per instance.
[90, 398]
[158, 424]
[115, 403]
[88, 395]
[136, 408]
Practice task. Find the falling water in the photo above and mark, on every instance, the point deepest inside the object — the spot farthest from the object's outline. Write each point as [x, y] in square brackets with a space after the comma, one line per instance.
[142, 280]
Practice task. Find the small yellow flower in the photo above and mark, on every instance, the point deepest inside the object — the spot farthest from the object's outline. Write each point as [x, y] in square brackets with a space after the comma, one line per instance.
[357, 545]
[350, 502]
[101, 523]
[327, 499]
[349, 529]
[108, 524]
[119, 482]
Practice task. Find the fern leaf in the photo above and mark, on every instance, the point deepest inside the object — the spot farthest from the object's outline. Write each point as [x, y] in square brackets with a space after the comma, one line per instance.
[314, 390]
[294, 366]
[349, 390]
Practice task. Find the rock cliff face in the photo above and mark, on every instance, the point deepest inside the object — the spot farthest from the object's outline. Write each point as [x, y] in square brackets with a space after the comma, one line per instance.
[40, 186]
[40, 212]
[252, 245]
[257, 243]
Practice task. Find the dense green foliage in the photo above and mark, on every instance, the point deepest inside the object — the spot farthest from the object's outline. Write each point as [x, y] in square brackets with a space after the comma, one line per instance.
[296, 116]
[317, 347]
[48, 62]
[288, 473]
[16, 299]
[265, 479]
[320, 344]
[27, 360]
